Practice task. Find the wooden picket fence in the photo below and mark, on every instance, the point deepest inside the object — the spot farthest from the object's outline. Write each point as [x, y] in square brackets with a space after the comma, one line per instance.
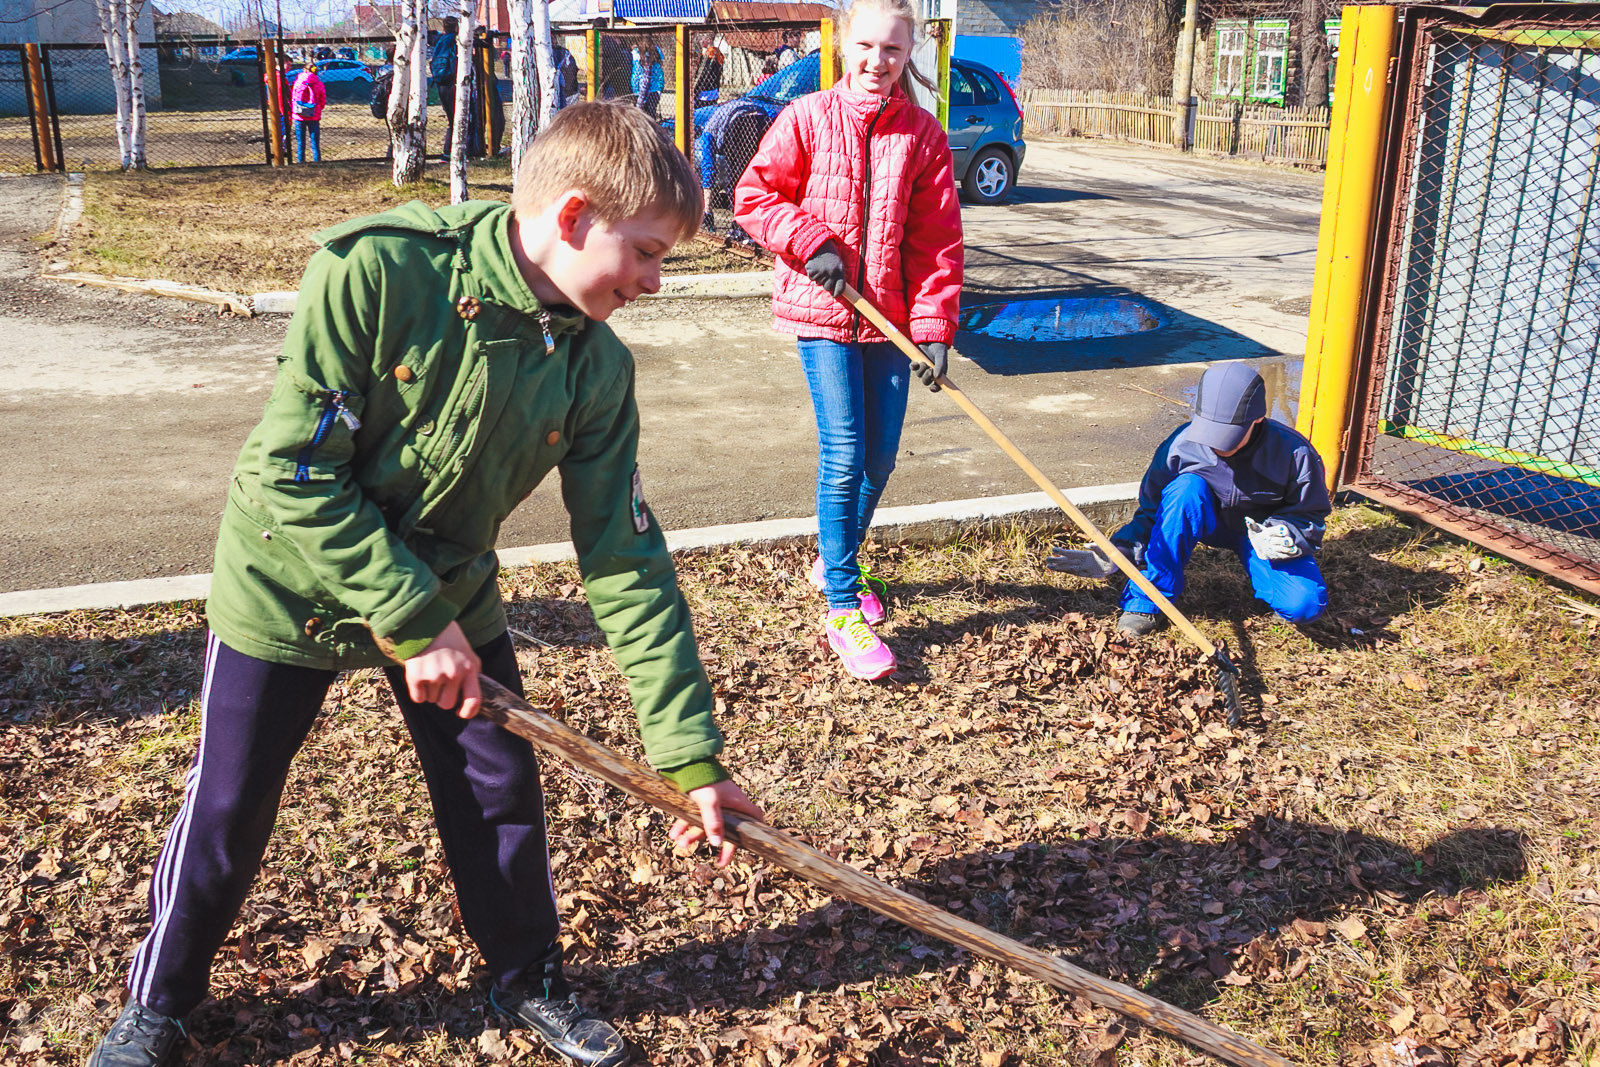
[1294, 135]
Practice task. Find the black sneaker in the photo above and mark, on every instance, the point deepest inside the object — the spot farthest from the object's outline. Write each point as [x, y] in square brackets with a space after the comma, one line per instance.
[542, 1001]
[139, 1038]
[1139, 623]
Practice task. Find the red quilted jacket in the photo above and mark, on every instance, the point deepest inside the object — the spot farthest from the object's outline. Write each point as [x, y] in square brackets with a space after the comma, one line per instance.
[901, 245]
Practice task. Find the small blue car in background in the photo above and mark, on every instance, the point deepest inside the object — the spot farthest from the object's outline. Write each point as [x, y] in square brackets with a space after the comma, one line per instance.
[985, 121]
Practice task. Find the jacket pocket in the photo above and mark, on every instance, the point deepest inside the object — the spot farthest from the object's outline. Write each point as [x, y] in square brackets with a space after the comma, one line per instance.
[337, 405]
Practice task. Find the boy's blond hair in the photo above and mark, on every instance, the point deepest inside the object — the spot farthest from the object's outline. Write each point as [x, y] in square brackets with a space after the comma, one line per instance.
[618, 157]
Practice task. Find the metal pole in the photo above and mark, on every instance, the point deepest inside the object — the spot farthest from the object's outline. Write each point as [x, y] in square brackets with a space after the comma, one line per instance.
[50, 105]
[683, 99]
[592, 38]
[35, 101]
[1183, 77]
[1355, 148]
[827, 50]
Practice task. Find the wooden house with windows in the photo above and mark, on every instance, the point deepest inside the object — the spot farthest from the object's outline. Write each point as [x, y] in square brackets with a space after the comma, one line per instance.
[1252, 51]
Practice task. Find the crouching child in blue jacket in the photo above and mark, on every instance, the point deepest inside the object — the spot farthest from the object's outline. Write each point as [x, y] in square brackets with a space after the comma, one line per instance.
[1234, 479]
[439, 365]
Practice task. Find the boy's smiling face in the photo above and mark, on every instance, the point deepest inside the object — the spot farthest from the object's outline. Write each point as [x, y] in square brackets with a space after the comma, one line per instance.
[597, 267]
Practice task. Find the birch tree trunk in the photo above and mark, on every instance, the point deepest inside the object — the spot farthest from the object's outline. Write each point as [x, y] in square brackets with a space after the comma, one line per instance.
[466, 77]
[408, 96]
[136, 123]
[544, 60]
[113, 29]
[524, 115]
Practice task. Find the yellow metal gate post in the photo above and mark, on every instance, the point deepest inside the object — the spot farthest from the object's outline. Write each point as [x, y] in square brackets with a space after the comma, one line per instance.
[944, 31]
[827, 55]
[1344, 237]
[683, 99]
[592, 38]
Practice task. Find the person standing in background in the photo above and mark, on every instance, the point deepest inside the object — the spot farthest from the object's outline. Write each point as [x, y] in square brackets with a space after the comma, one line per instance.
[648, 77]
[442, 76]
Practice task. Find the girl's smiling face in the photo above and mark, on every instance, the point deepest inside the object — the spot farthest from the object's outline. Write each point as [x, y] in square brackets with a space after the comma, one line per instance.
[875, 51]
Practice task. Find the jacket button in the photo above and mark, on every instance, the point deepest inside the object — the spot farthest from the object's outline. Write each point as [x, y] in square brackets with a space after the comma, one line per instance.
[313, 624]
[468, 307]
[404, 373]
[552, 437]
[426, 428]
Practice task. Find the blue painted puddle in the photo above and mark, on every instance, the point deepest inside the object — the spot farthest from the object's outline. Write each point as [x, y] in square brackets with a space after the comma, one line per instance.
[1061, 319]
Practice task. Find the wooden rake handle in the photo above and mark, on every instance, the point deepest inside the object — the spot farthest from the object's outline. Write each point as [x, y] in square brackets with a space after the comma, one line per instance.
[1079, 519]
[502, 706]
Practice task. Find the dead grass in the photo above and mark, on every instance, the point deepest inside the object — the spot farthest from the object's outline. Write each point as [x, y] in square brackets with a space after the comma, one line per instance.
[247, 229]
[1392, 864]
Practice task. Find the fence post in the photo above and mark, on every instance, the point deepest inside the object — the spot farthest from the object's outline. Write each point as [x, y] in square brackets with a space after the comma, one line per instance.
[1183, 95]
[1355, 146]
[592, 40]
[683, 99]
[942, 28]
[827, 74]
[44, 149]
[274, 87]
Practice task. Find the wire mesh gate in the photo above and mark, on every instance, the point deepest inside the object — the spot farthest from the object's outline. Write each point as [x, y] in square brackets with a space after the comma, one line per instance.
[1481, 408]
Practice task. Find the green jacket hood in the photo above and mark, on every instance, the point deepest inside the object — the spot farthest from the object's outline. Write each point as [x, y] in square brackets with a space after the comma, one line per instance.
[483, 227]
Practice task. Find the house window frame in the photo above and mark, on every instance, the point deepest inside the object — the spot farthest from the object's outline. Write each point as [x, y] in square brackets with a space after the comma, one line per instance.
[1268, 68]
[1224, 56]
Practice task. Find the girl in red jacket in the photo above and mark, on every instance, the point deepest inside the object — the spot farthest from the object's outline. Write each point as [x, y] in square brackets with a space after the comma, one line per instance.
[854, 185]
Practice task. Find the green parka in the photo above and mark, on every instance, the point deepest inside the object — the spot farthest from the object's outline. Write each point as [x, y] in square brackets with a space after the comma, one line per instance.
[422, 393]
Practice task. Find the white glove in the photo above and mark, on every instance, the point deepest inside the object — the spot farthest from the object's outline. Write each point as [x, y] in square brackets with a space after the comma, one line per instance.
[1271, 542]
[1084, 562]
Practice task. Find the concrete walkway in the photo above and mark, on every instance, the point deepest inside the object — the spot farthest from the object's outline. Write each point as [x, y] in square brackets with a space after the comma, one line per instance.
[123, 414]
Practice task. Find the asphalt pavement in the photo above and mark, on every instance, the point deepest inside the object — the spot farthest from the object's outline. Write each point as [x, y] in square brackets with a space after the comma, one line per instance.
[123, 413]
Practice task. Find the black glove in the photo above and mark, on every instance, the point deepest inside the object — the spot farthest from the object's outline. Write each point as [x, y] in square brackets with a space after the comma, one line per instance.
[826, 268]
[939, 353]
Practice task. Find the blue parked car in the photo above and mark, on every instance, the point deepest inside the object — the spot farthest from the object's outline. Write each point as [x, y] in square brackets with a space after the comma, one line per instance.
[985, 121]
[243, 54]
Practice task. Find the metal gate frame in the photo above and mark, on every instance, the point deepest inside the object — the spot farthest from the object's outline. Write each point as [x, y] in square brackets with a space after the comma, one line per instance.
[1386, 251]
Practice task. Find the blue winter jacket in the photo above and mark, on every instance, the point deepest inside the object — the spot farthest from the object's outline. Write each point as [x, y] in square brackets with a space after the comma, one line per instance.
[1277, 478]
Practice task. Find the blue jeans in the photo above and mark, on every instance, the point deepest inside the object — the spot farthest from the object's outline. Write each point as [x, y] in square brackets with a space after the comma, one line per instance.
[858, 392]
[314, 128]
[1188, 515]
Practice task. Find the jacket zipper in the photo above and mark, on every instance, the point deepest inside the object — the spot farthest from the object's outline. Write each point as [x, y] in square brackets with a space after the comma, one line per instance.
[544, 325]
[866, 221]
[332, 408]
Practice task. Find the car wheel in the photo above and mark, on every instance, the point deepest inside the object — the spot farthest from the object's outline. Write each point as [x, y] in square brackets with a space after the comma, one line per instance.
[990, 177]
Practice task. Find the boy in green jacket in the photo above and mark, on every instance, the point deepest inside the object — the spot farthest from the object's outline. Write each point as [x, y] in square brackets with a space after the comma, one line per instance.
[438, 366]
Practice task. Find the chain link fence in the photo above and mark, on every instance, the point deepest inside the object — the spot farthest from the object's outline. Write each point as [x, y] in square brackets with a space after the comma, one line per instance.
[1482, 411]
[738, 77]
[207, 102]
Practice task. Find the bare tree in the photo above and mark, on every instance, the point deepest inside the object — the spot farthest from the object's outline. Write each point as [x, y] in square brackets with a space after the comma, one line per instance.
[119, 30]
[408, 95]
[524, 97]
[462, 119]
[1119, 45]
[1313, 53]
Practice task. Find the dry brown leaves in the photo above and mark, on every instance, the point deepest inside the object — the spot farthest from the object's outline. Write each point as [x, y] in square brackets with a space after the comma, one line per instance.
[1028, 769]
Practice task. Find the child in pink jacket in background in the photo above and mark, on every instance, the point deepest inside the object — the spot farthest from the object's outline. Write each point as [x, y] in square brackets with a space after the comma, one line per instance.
[306, 100]
[855, 185]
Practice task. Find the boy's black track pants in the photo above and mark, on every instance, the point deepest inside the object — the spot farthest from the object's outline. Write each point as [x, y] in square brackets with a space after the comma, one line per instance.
[483, 780]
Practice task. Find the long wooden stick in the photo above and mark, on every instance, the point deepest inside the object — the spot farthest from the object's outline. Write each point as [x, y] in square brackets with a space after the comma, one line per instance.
[502, 706]
[1092, 532]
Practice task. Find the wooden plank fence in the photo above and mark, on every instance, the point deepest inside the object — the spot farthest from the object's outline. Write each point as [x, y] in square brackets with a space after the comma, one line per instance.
[1293, 135]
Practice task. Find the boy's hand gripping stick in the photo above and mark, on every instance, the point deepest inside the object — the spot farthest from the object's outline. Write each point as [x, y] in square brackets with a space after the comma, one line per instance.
[1227, 673]
[502, 706]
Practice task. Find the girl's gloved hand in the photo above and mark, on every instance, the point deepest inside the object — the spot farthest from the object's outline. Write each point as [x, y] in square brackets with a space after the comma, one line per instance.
[939, 353]
[826, 268]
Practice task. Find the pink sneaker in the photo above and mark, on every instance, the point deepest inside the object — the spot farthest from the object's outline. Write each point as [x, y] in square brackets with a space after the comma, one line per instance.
[853, 641]
[871, 606]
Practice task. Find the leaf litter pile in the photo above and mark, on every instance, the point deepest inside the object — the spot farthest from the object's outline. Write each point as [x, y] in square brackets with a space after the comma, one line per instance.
[1392, 862]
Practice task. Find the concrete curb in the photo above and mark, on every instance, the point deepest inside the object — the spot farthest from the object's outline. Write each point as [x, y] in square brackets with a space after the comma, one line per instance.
[757, 283]
[918, 523]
